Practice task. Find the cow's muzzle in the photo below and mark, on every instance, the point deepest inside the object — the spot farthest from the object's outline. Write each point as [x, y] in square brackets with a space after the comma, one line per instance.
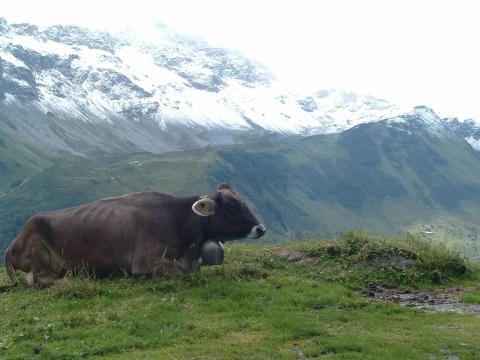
[257, 232]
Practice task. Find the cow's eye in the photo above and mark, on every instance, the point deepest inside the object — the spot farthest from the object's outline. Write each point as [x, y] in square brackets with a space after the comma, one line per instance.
[232, 205]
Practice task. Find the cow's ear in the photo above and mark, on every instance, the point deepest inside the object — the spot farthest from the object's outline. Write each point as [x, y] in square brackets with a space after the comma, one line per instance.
[204, 207]
[224, 186]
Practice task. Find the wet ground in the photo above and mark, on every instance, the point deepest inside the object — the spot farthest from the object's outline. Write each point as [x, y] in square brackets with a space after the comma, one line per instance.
[444, 300]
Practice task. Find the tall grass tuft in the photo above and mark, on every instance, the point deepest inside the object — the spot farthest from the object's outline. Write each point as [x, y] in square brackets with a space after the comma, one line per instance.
[403, 261]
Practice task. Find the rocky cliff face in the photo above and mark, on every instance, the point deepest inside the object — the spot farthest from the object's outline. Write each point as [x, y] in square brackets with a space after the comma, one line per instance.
[469, 129]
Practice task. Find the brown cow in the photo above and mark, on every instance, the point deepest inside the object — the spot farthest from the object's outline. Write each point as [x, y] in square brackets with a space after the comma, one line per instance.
[144, 234]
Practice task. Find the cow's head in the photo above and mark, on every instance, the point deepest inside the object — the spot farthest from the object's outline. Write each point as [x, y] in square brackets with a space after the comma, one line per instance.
[231, 217]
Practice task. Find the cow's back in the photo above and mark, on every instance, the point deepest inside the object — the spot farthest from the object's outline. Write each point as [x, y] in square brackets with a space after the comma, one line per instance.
[104, 232]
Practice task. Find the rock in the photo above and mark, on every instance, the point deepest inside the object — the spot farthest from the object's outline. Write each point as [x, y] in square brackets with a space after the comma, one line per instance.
[308, 104]
[333, 250]
[395, 261]
[295, 256]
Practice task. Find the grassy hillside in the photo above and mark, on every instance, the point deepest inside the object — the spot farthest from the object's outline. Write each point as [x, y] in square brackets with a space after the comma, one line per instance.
[258, 305]
[385, 178]
[18, 160]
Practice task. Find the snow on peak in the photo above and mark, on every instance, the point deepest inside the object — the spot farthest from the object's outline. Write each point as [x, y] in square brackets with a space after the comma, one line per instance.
[426, 114]
[469, 129]
[168, 79]
[424, 117]
[337, 110]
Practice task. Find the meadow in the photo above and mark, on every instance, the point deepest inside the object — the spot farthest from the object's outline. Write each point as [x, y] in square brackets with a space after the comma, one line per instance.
[301, 300]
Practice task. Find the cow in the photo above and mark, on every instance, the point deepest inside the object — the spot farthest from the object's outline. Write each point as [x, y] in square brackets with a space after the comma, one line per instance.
[143, 234]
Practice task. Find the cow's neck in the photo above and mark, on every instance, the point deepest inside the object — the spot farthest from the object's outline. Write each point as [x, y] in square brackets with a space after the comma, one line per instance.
[198, 228]
[208, 228]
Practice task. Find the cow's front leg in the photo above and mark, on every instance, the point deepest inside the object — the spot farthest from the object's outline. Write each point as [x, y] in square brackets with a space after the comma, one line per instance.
[185, 264]
[169, 268]
[164, 267]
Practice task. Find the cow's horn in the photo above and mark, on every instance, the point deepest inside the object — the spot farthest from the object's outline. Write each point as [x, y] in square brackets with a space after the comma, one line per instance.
[204, 207]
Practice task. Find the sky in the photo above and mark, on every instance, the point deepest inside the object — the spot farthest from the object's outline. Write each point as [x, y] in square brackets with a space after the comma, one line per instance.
[411, 53]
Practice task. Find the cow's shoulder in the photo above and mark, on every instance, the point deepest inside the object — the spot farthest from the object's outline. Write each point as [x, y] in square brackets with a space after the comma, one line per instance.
[39, 221]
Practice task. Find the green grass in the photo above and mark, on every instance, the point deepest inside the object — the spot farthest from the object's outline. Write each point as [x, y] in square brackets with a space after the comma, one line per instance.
[358, 259]
[255, 306]
[472, 297]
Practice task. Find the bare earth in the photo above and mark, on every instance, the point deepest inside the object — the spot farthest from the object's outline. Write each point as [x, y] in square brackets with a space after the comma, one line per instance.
[445, 300]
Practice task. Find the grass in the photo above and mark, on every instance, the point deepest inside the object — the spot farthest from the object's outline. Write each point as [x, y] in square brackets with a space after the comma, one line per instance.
[432, 263]
[255, 306]
[472, 297]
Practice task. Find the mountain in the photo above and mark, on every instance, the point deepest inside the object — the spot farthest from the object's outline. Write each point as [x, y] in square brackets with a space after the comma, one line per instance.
[469, 129]
[410, 173]
[75, 90]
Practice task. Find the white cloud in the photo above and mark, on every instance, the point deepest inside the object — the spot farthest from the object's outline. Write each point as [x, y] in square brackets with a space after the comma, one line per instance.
[410, 52]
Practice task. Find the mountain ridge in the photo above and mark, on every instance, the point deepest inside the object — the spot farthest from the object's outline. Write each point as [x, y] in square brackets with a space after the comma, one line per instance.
[170, 81]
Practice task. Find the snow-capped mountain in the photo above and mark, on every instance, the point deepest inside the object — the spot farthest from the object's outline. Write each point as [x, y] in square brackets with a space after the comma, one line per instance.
[422, 117]
[469, 129]
[165, 92]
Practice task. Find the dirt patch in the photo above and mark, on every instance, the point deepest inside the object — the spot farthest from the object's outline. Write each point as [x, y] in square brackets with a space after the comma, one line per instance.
[295, 256]
[299, 354]
[443, 300]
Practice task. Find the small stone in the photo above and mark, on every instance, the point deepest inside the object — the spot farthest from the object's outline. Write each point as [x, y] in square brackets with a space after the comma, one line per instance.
[333, 250]
[37, 349]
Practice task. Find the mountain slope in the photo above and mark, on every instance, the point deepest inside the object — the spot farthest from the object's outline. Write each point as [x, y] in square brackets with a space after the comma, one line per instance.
[83, 91]
[399, 175]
